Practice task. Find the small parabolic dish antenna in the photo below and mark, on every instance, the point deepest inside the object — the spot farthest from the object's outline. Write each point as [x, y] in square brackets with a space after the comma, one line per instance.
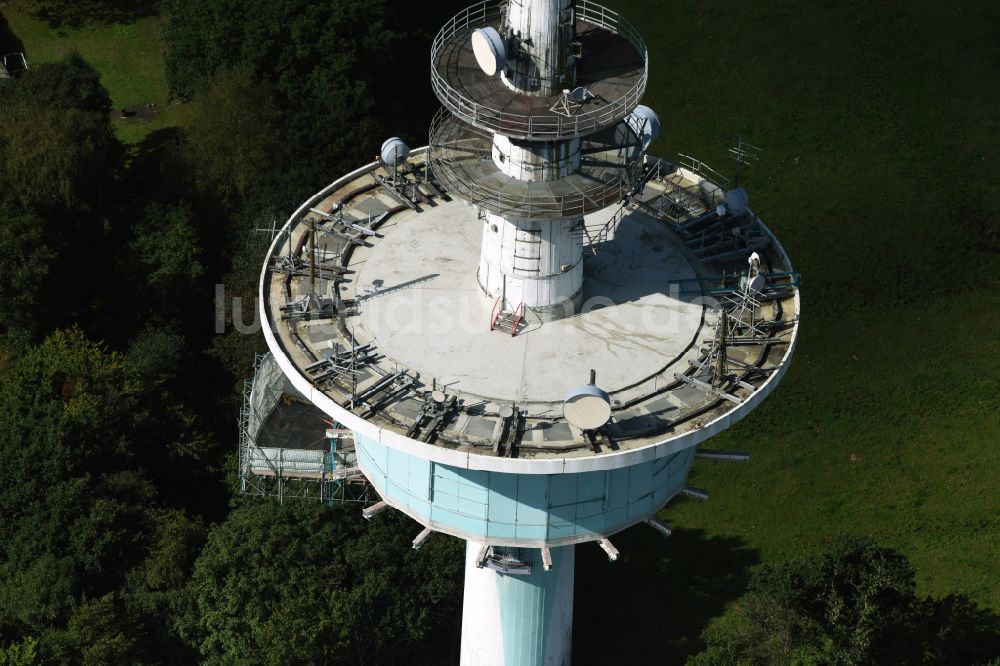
[587, 407]
[490, 52]
[737, 201]
[645, 121]
[438, 396]
[394, 152]
[506, 412]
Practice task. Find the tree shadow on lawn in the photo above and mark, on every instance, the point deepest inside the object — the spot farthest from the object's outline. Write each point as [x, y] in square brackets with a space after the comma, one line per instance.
[653, 603]
[77, 13]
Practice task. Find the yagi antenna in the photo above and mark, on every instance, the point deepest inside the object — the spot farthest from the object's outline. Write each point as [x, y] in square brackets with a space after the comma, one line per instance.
[744, 153]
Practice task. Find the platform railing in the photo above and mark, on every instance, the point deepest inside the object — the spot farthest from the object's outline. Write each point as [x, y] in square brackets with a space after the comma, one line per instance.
[544, 205]
[530, 126]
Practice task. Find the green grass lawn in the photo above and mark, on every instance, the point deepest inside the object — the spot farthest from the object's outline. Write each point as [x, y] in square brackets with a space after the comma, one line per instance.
[128, 56]
[880, 138]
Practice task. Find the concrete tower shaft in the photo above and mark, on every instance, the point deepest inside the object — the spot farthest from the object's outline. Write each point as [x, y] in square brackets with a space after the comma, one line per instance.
[542, 61]
[535, 262]
[534, 161]
[518, 619]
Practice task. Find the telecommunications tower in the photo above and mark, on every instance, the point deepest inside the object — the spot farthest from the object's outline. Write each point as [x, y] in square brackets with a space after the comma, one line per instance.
[520, 334]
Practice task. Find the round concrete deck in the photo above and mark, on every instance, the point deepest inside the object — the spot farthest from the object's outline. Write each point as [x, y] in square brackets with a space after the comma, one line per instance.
[421, 302]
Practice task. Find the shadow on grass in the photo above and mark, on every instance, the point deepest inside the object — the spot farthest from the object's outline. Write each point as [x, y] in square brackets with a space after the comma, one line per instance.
[77, 13]
[155, 169]
[9, 43]
[653, 603]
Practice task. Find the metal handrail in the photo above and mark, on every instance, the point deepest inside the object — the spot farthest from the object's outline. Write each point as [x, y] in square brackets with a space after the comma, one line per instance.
[495, 314]
[518, 315]
[580, 202]
[529, 126]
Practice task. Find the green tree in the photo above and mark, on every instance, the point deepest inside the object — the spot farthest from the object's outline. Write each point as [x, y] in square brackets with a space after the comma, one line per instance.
[86, 546]
[104, 632]
[26, 260]
[55, 158]
[167, 246]
[183, 458]
[59, 161]
[305, 584]
[853, 604]
[23, 653]
[324, 61]
[68, 84]
[57, 148]
[232, 137]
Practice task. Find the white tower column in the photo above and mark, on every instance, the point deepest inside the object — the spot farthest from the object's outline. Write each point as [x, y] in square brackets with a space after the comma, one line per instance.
[535, 262]
[535, 161]
[518, 620]
[543, 63]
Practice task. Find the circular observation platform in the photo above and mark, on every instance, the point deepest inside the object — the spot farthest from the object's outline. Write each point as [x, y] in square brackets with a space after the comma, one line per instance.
[391, 335]
[609, 170]
[613, 64]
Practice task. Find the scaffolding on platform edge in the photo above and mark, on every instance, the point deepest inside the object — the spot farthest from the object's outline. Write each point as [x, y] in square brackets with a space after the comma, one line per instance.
[280, 469]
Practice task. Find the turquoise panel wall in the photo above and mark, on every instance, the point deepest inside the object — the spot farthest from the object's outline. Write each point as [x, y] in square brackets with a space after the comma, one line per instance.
[521, 507]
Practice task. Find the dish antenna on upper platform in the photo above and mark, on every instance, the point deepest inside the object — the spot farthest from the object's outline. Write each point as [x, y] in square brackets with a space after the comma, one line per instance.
[646, 124]
[489, 49]
[394, 151]
[755, 281]
[737, 201]
[587, 407]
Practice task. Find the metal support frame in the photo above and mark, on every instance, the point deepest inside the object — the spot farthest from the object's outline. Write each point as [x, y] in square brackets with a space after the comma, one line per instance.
[695, 493]
[733, 456]
[609, 548]
[663, 528]
[546, 558]
[264, 473]
[484, 552]
[370, 512]
[421, 539]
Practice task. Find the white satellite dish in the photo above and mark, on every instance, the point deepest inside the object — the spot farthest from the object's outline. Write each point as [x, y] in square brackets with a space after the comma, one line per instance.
[490, 52]
[394, 152]
[587, 407]
[737, 201]
[647, 122]
[506, 411]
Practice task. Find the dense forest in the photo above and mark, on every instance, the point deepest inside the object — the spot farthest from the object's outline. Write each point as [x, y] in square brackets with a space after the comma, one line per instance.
[123, 540]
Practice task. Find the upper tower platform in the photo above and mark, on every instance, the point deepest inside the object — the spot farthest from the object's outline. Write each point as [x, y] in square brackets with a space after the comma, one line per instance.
[372, 308]
[610, 163]
[616, 79]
